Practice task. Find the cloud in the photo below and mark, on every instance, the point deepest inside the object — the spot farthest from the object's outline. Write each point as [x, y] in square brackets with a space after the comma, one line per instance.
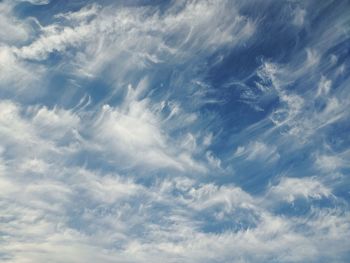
[54, 39]
[119, 120]
[210, 195]
[17, 77]
[132, 26]
[289, 189]
[299, 17]
[324, 86]
[257, 151]
[14, 31]
[136, 132]
[329, 163]
[55, 122]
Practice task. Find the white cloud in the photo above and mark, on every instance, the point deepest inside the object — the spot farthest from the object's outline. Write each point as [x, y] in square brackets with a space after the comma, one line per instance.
[54, 123]
[36, 2]
[141, 36]
[324, 86]
[81, 15]
[54, 38]
[33, 132]
[297, 114]
[213, 160]
[299, 17]
[106, 189]
[210, 195]
[330, 163]
[256, 150]
[13, 31]
[13, 128]
[17, 76]
[289, 189]
[135, 134]
[70, 183]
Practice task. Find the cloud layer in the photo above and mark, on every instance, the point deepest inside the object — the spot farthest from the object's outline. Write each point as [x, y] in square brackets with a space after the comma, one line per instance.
[174, 131]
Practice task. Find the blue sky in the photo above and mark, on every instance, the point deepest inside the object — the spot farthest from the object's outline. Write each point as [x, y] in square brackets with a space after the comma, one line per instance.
[174, 131]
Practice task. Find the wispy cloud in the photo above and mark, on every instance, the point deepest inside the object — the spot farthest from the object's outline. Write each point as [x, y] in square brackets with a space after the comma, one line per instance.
[174, 131]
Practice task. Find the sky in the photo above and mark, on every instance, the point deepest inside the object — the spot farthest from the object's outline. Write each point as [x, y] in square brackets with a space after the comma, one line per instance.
[177, 131]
